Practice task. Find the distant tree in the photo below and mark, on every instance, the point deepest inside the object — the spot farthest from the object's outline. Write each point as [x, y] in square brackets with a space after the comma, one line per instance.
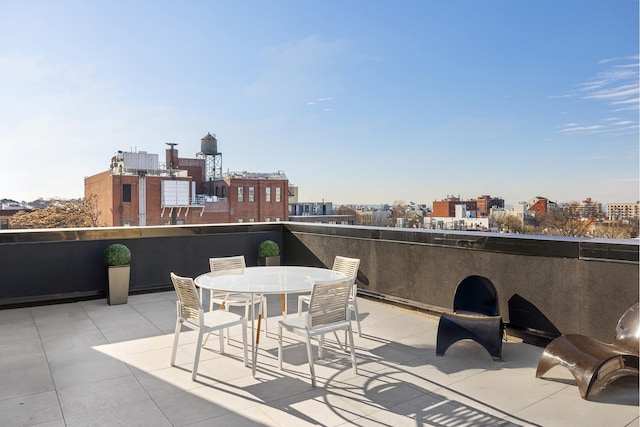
[346, 210]
[70, 214]
[498, 218]
[513, 224]
[616, 230]
[566, 221]
[381, 218]
[414, 220]
[398, 210]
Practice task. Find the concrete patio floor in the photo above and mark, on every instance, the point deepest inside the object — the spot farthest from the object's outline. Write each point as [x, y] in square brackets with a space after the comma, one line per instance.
[91, 364]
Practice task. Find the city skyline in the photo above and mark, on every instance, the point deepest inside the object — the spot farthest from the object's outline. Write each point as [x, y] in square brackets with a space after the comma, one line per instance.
[357, 102]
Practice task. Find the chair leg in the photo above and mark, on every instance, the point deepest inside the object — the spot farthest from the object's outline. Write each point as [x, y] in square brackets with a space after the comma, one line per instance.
[335, 333]
[320, 346]
[300, 301]
[206, 339]
[244, 342]
[310, 357]
[280, 346]
[353, 351]
[263, 305]
[221, 339]
[353, 305]
[175, 342]
[197, 358]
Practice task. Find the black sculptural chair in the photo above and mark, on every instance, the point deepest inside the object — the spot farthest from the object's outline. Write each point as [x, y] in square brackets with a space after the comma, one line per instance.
[593, 363]
[475, 316]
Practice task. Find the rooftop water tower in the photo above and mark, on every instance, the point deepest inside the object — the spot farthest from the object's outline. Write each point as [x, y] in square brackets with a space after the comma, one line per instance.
[212, 159]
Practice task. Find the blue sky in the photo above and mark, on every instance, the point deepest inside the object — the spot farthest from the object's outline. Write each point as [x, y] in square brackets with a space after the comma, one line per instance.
[357, 101]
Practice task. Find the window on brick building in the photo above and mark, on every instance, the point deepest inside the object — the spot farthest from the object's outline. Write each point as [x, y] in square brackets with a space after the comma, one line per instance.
[267, 194]
[252, 194]
[240, 194]
[278, 195]
[126, 193]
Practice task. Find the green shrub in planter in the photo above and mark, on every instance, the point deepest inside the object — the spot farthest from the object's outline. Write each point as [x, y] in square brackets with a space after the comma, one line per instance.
[268, 248]
[117, 254]
[117, 258]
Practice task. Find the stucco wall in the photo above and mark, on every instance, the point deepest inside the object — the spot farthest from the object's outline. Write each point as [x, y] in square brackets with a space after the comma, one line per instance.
[546, 284]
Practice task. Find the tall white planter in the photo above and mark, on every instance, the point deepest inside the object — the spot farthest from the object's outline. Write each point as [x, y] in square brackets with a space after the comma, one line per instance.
[118, 284]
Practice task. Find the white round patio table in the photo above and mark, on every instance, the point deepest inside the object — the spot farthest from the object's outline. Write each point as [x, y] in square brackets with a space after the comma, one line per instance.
[259, 281]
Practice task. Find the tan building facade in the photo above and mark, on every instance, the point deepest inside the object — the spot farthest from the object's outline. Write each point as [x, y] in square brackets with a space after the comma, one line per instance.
[623, 211]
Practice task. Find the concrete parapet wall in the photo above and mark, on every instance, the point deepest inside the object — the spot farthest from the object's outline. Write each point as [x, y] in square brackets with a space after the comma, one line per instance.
[545, 285]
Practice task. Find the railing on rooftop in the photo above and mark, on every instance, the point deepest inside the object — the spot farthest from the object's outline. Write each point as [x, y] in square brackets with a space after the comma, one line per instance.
[546, 285]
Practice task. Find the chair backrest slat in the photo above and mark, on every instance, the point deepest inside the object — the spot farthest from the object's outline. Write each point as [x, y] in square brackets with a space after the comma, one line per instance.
[348, 267]
[328, 303]
[189, 304]
[228, 265]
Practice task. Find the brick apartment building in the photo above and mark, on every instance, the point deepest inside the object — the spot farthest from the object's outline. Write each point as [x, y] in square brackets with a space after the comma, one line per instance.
[138, 190]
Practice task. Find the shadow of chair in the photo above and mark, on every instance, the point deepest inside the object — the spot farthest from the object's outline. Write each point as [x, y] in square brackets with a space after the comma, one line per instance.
[327, 313]
[475, 316]
[528, 322]
[592, 363]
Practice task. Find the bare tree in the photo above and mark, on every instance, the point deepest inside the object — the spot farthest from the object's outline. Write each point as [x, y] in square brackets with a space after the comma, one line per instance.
[414, 220]
[70, 214]
[617, 230]
[513, 224]
[566, 221]
[346, 210]
[398, 211]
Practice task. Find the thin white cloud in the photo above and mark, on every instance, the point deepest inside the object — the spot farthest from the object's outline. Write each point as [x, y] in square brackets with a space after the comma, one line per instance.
[633, 108]
[592, 85]
[620, 58]
[627, 101]
[615, 93]
[616, 89]
[582, 128]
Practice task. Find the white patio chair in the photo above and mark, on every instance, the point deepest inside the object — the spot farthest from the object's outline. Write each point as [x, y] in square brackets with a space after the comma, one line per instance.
[348, 267]
[191, 314]
[327, 313]
[234, 265]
